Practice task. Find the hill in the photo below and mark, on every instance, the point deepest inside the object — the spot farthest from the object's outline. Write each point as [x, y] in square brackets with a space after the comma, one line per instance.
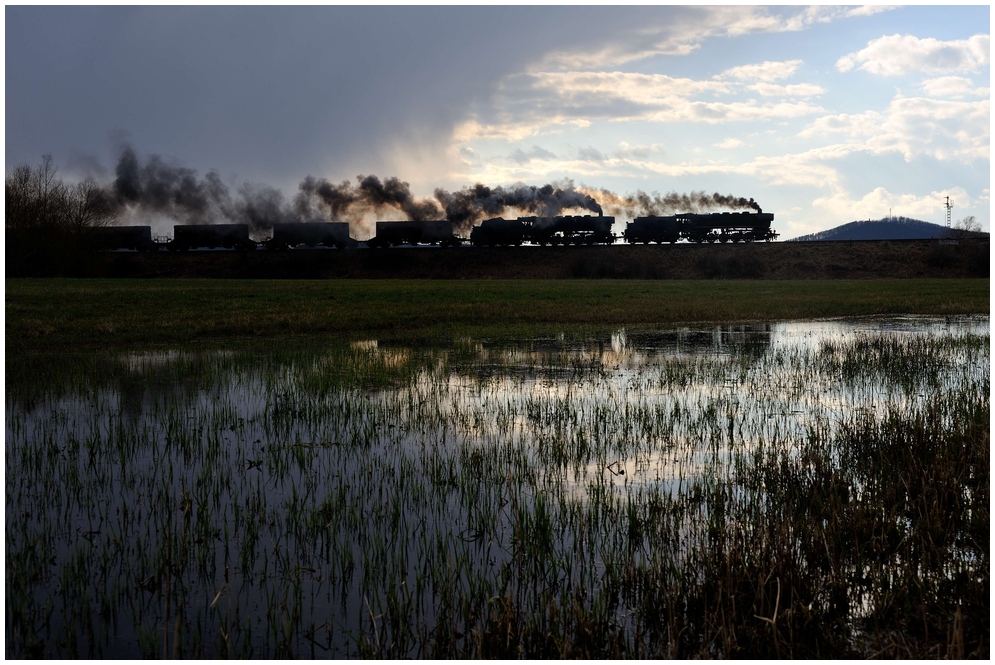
[893, 228]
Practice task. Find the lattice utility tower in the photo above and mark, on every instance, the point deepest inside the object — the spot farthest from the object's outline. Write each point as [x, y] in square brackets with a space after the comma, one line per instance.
[949, 205]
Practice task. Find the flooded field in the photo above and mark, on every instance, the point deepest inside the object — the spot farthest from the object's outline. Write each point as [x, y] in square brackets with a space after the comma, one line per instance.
[807, 489]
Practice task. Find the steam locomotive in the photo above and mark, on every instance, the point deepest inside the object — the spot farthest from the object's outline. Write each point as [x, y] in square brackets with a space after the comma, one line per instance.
[561, 230]
[721, 227]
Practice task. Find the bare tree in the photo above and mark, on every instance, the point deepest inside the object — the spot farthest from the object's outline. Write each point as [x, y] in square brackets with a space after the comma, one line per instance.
[38, 199]
[965, 228]
[18, 201]
[35, 198]
[86, 206]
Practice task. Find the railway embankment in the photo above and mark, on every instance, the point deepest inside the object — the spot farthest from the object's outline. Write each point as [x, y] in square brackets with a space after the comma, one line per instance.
[900, 259]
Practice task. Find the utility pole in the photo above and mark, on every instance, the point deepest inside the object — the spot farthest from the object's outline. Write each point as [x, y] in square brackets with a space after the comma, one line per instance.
[949, 205]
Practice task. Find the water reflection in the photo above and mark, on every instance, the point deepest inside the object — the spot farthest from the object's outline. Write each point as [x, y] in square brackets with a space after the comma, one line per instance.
[310, 485]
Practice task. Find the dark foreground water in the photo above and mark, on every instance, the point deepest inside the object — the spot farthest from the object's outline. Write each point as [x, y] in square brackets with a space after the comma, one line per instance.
[615, 495]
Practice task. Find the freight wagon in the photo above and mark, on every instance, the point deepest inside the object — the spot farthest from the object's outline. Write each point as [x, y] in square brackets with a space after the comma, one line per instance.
[391, 234]
[309, 234]
[124, 237]
[211, 236]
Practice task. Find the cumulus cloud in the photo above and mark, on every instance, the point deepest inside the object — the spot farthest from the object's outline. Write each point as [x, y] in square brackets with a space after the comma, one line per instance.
[811, 168]
[513, 131]
[729, 143]
[591, 154]
[716, 112]
[765, 71]
[870, 10]
[954, 87]
[876, 204]
[895, 55]
[684, 31]
[600, 87]
[944, 129]
[535, 152]
[531, 104]
[628, 150]
[794, 90]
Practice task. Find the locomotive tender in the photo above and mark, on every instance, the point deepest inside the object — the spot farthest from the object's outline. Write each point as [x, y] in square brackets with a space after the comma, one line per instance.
[574, 230]
[561, 230]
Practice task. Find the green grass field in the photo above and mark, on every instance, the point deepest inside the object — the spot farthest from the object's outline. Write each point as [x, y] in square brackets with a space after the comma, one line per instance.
[63, 314]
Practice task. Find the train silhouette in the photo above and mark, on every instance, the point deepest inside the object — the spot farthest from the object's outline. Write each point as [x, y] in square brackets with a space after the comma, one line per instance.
[723, 227]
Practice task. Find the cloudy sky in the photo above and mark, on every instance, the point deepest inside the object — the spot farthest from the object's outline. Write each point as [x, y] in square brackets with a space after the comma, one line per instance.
[823, 115]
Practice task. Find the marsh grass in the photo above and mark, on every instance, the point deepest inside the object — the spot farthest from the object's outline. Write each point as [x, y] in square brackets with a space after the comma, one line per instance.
[70, 315]
[747, 491]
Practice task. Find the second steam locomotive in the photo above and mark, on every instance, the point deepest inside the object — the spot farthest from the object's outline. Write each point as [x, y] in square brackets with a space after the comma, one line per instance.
[560, 230]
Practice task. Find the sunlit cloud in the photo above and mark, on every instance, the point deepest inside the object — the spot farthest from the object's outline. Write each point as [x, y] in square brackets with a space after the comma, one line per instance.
[765, 71]
[955, 87]
[879, 202]
[895, 55]
[683, 33]
[592, 87]
[795, 90]
[944, 129]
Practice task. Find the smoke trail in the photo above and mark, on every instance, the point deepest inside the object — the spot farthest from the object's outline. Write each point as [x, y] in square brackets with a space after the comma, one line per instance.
[463, 207]
[177, 192]
[470, 204]
[641, 204]
[155, 187]
[354, 203]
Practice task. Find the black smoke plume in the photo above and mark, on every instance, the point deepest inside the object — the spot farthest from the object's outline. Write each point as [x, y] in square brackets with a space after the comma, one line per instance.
[177, 192]
[156, 187]
[473, 203]
[369, 195]
[641, 204]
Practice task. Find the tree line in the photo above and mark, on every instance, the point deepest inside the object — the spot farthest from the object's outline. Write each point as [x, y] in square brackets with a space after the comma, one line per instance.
[37, 198]
[50, 223]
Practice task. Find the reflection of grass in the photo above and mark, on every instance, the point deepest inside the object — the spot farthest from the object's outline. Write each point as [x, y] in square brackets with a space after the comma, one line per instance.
[59, 314]
[471, 502]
